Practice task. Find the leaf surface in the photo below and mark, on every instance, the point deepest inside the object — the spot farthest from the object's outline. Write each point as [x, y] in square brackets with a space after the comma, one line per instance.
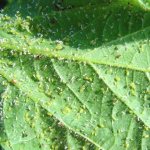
[75, 75]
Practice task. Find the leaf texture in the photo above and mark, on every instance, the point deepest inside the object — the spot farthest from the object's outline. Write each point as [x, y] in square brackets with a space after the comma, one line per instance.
[75, 75]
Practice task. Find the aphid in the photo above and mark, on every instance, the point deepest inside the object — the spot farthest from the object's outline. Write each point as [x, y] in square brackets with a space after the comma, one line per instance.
[117, 79]
[93, 42]
[87, 78]
[58, 6]
[117, 56]
[82, 88]
[38, 57]
[59, 45]
[66, 110]
[146, 136]
[60, 124]
[53, 21]
[126, 145]
[24, 134]
[13, 81]
[132, 86]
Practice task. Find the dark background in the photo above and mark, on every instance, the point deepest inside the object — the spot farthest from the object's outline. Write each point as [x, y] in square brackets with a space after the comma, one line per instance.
[3, 3]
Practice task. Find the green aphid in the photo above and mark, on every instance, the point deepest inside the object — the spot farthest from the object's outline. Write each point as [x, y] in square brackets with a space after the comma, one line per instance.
[59, 47]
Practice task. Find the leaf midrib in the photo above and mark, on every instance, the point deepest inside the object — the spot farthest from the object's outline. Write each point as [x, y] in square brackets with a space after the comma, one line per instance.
[71, 55]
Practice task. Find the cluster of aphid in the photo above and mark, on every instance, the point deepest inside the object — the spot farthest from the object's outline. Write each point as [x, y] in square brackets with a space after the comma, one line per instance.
[88, 95]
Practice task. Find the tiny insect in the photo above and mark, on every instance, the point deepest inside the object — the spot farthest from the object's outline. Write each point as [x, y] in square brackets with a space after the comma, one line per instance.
[13, 81]
[118, 56]
[59, 45]
[53, 21]
[38, 57]
[61, 124]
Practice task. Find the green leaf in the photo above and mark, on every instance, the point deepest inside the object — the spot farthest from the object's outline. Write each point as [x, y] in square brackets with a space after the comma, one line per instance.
[75, 75]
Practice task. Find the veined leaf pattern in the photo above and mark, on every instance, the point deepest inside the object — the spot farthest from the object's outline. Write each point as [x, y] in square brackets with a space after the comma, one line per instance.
[75, 75]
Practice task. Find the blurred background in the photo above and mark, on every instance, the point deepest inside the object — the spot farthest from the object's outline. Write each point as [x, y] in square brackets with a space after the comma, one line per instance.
[3, 3]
